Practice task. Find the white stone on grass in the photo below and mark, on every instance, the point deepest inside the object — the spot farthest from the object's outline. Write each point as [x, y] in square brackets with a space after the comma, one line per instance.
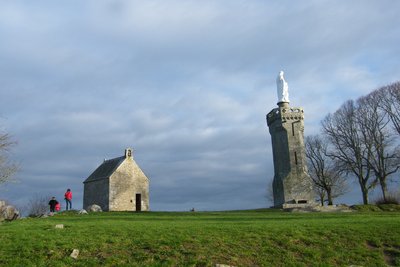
[94, 208]
[75, 253]
[83, 211]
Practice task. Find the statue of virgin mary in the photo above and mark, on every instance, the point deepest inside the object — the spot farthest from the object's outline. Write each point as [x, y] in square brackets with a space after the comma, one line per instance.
[283, 88]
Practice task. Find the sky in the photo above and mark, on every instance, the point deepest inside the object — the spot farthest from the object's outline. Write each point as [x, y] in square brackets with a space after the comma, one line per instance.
[186, 84]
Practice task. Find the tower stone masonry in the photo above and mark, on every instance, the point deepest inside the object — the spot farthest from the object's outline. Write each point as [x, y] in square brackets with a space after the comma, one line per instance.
[292, 185]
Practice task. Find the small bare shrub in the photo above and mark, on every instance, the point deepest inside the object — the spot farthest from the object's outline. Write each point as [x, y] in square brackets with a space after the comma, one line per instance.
[391, 198]
[38, 205]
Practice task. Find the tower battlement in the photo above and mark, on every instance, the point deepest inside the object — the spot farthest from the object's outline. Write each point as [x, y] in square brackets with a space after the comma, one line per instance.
[285, 114]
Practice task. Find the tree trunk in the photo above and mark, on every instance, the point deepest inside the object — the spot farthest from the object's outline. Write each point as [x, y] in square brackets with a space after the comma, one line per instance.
[329, 194]
[365, 196]
[321, 195]
[364, 189]
[384, 189]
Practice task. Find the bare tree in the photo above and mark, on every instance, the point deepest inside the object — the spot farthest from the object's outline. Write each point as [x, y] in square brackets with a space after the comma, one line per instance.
[390, 103]
[7, 168]
[374, 123]
[38, 205]
[327, 179]
[350, 150]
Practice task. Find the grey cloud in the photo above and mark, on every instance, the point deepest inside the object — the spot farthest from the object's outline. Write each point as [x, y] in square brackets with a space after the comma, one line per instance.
[187, 85]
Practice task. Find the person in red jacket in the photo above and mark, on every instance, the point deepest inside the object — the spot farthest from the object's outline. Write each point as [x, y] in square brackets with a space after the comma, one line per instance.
[68, 198]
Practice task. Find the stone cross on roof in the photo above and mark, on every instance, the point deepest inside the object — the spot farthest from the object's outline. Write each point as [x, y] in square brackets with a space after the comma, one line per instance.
[128, 153]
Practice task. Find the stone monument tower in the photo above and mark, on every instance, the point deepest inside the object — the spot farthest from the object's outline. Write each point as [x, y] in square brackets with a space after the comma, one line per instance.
[292, 186]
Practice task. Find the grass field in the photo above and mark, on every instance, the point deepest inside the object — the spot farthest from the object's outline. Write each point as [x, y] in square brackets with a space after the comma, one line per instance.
[239, 238]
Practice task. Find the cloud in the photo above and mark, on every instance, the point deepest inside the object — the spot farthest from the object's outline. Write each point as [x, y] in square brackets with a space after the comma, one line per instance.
[187, 85]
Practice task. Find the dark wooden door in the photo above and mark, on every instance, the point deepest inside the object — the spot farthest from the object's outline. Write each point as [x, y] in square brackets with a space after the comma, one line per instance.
[138, 202]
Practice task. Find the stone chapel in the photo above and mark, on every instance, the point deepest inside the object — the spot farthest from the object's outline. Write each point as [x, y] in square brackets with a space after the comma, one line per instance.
[118, 184]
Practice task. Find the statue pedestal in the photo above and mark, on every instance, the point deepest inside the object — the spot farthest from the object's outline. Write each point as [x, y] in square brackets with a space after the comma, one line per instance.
[283, 104]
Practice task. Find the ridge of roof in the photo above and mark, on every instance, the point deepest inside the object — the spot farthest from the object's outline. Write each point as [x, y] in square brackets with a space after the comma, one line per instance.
[105, 169]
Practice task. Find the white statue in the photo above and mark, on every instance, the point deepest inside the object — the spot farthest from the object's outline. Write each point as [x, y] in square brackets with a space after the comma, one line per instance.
[283, 89]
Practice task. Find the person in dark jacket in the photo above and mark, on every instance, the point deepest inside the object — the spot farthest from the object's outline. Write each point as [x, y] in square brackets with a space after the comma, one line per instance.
[52, 203]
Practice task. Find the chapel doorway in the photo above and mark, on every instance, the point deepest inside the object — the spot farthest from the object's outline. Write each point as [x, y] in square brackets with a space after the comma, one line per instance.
[138, 202]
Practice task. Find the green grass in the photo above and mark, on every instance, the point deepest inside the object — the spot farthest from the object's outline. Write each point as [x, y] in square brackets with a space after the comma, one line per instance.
[240, 238]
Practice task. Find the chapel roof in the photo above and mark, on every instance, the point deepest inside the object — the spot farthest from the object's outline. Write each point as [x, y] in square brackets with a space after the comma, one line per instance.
[105, 169]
